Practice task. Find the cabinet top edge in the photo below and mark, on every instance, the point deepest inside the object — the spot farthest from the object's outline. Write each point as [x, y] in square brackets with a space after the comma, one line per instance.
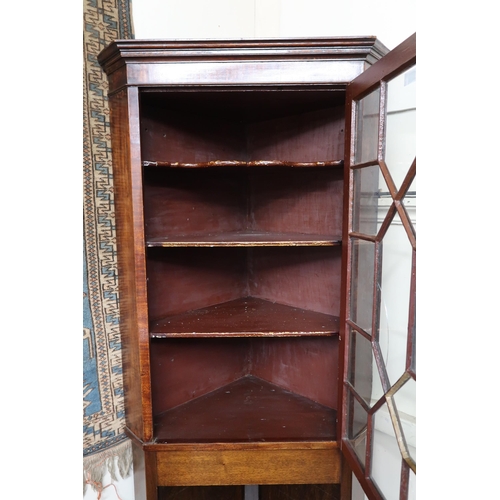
[155, 50]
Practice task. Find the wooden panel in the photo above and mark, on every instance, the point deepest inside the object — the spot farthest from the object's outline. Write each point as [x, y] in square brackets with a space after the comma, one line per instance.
[190, 137]
[183, 201]
[185, 279]
[131, 271]
[307, 366]
[280, 466]
[246, 73]
[150, 460]
[305, 277]
[302, 200]
[312, 136]
[184, 369]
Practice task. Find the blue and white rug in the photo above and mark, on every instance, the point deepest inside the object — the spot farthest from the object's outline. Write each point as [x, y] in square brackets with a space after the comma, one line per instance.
[103, 405]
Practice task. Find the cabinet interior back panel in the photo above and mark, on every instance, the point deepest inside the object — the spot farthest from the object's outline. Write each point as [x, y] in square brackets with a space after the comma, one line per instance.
[204, 201]
[184, 279]
[185, 369]
[194, 201]
[172, 136]
[300, 200]
[253, 125]
[308, 278]
[304, 366]
[309, 136]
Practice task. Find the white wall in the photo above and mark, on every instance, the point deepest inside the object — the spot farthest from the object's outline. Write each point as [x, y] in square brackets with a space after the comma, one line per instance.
[392, 21]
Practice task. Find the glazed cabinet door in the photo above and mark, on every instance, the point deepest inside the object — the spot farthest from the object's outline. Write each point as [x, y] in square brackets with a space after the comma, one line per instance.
[378, 322]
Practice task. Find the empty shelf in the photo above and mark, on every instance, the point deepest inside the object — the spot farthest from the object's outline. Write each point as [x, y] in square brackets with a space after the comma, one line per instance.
[247, 410]
[246, 317]
[239, 163]
[244, 239]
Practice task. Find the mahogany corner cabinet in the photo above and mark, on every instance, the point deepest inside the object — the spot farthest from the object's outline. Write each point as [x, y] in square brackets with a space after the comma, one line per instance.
[229, 182]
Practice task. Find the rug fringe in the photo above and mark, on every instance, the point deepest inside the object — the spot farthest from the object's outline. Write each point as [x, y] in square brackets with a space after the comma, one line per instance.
[116, 460]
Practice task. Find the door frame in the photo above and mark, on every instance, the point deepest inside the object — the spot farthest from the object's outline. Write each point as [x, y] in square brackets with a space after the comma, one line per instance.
[392, 64]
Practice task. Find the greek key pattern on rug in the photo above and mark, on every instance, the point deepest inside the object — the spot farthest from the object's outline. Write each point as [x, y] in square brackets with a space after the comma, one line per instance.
[103, 407]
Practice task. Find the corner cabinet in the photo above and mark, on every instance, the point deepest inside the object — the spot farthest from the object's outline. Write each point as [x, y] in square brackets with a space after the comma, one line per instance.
[228, 164]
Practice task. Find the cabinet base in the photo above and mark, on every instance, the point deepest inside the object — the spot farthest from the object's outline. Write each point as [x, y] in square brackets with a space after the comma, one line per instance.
[255, 464]
[219, 464]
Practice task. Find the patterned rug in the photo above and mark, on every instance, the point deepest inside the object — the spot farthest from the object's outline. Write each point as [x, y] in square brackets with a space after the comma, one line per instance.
[103, 407]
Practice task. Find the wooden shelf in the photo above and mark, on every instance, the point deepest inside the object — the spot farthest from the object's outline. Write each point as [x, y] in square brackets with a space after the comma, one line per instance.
[244, 239]
[246, 317]
[239, 163]
[247, 410]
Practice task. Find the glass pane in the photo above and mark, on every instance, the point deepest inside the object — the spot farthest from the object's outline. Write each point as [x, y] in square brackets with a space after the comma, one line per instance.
[367, 128]
[386, 457]
[413, 359]
[395, 298]
[361, 365]
[405, 399]
[362, 283]
[357, 489]
[412, 487]
[410, 203]
[371, 200]
[400, 149]
[357, 421]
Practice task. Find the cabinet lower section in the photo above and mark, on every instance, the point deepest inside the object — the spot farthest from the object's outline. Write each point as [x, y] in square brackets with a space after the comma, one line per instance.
[241, 463]
[250, 464]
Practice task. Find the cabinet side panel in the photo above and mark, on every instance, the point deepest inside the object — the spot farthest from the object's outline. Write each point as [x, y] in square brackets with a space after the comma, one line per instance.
[131, 268]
